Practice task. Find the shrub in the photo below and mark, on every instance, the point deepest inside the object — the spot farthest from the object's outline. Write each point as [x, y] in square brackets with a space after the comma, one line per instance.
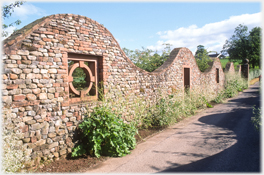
[256, 120]
[147, 59]
[254, 73]
[234, 83]
[203, 64]
[104, 133]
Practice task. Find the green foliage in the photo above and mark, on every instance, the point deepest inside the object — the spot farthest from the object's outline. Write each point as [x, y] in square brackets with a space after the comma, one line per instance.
[7, 11]
[146, 59]
[202, 58]
[255, 47]
[203, 64]
[159, 115]
[256, 120]
[224, 61]
[244, 45]
[209, 105]
[254, 73]
[234, 83]
[170, 108]
[103, 133]
[79, 77]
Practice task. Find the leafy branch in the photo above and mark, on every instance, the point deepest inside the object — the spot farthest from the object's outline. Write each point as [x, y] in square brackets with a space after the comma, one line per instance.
[7, 11]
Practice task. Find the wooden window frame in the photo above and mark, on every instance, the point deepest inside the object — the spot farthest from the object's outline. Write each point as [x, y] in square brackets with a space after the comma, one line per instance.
[91, 71]
[217, 75]
[184, 67]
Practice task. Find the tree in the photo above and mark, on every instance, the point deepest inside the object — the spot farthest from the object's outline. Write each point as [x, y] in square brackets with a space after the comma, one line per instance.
[244, 45]
[7, 11]
[201, 52]
[146, 59]
[255, 46]
[202, 58]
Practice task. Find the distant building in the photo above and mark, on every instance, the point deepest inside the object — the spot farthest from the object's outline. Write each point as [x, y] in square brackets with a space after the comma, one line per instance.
[218, 55]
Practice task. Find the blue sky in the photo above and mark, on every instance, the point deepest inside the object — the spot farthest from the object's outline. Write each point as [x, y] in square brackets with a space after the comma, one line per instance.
[151, 24]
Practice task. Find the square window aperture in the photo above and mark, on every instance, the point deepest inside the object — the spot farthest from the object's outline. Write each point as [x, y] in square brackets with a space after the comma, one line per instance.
[82, 78]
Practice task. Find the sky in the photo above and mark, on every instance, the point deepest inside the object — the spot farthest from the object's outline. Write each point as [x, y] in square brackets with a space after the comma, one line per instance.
[152, 24]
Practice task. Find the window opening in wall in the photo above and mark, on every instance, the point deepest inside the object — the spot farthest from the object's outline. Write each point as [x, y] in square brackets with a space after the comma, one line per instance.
[82, 78]
[186, 78]
[217, 75]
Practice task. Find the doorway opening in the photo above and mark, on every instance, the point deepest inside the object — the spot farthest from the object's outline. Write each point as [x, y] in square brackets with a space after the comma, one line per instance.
[186, 77]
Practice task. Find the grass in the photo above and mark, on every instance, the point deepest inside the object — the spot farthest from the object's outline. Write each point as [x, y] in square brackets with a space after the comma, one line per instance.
[225, 61]
[253, 81]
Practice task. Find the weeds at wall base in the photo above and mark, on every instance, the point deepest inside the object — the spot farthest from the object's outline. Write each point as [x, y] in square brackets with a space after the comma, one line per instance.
[165, 109]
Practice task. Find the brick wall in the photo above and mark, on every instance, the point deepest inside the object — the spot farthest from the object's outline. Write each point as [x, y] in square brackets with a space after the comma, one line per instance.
[35, 91]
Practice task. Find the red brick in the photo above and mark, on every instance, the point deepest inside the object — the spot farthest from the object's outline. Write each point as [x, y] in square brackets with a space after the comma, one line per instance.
[64, 60]
[47, 39]
[69, 124]
[24, 128]
[66, 89]
[65, 104]
[78, 117]
[47, 119]
[13, 76]
[20, 104]
[68, 141]
[33, 139]
[12, 86]
[64, 84]
[35, 102]
[62, 71]
[63, 67]
[56, 84]
[56, 95]
[4, 76]
[56, 31]
[19, 97]
[20, 114]
[42, 63]
[75, 114]
[63, 49]
[63, 116]
[39, 59]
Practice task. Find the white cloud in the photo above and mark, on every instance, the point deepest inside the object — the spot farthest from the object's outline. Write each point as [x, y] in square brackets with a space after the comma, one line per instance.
[212, 36]
[27, 9]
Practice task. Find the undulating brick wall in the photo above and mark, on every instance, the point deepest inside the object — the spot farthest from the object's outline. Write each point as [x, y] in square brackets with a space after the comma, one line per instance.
[36, 85]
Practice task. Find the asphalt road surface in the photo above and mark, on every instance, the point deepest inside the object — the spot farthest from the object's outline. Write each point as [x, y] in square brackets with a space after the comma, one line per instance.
[219, 139]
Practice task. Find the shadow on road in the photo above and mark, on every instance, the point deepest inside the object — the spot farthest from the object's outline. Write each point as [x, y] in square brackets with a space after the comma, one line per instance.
[244, 155]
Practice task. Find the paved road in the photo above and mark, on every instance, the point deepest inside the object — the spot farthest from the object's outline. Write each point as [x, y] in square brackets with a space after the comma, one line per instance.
[219, 139]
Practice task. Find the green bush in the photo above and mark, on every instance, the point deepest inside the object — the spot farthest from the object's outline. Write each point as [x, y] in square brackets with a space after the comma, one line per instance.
[104, 133]
[254, 73]
[147, 59]
[203, 64]
[256, 120]
[233, 84]
[160, 116]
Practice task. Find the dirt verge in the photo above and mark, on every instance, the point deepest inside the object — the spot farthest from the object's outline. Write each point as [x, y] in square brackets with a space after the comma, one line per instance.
[81, 164]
